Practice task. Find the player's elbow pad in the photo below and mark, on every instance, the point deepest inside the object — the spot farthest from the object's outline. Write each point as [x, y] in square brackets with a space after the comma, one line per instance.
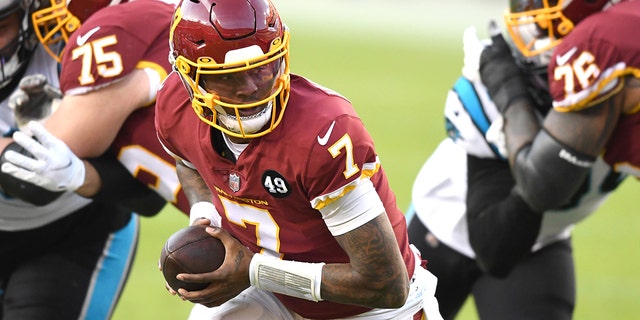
[548, 174]
[21, 189]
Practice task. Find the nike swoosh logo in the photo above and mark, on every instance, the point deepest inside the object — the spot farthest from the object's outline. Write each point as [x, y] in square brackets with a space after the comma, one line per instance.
[323, 141]
[82, 39]
[562, 59]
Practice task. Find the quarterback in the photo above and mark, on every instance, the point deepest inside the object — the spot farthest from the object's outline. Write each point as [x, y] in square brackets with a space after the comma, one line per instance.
[308, 220]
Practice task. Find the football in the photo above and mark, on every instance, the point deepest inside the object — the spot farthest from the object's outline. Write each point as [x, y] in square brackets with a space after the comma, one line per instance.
[190, 250]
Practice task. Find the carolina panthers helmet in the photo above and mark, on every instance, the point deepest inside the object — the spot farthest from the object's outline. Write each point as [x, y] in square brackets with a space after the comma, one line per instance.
[233, 58]
[537, 26]
[55, 23]
[15, 55]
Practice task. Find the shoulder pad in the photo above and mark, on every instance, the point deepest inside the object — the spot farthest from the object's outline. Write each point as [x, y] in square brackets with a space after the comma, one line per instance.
[468, 114]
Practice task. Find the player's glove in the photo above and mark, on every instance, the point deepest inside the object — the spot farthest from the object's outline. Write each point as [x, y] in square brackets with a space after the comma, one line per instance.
[54, 166]
[34, 99]
[472, 47]
[499, 71]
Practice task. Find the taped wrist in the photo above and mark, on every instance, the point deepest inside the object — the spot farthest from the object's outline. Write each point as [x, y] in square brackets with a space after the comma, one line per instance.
[118, 186]
[292, 278]
[21, 189]
[548, 174]
[204, 209]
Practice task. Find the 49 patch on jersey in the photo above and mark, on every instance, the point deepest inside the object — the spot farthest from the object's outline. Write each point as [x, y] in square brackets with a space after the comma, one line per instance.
[275, 184]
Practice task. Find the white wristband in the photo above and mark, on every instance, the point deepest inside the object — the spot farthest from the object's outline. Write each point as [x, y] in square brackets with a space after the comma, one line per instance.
[204, 209]
[292, 278]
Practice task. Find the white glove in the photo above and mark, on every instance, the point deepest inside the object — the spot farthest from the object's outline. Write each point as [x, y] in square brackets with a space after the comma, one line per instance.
[35, 99]
[472, 47]
[53, 165]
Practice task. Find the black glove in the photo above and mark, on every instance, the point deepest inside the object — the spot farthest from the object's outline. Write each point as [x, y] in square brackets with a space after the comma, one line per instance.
[33, 99]
[500, 73]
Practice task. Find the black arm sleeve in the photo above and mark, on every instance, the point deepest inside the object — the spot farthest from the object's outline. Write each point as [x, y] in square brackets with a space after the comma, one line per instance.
[549, 173]
[119, 187]
[502, 227]
[21, 189]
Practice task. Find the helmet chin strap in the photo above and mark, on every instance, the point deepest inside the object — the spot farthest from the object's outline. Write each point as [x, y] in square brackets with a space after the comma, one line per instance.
[250, 124]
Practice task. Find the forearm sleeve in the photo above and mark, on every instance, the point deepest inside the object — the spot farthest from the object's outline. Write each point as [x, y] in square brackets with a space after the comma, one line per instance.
[548, 173]
[502, 228]
[121, 188]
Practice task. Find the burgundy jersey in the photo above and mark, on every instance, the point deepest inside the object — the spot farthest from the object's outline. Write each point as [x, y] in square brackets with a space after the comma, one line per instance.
[111, 44]
[269, 198]
[589, 66]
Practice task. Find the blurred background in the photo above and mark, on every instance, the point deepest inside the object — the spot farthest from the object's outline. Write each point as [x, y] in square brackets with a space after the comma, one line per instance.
[395, 61]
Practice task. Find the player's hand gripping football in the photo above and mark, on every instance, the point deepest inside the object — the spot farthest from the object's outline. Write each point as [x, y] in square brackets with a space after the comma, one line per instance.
[53, 166]
[35, 99]
[499, 71]
[227, 281]
[197, 218]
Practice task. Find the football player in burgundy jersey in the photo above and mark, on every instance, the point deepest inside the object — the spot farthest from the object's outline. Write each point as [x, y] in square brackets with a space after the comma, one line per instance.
[594, 82]
[292, 179]
[111, 67]
[505, 266]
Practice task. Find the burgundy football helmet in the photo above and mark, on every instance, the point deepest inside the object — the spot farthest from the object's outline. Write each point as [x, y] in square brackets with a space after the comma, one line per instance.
[537, 26]
[233, 57]
[55, 23]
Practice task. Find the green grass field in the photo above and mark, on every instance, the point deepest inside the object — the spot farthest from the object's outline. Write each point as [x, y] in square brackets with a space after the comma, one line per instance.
[398, 83]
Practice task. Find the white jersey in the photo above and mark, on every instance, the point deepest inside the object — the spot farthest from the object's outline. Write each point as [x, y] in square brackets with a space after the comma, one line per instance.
[440, 189]
[19, 215]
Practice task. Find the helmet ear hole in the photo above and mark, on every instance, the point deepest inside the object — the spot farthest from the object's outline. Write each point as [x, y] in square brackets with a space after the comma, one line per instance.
[564, 27]
[72, 25]
[183, 67]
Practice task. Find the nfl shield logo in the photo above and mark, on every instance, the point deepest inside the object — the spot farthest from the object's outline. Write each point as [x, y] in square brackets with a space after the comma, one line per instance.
[234, 182]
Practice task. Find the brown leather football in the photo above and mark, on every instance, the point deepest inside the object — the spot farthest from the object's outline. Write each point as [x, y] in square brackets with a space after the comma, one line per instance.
[190, 250]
